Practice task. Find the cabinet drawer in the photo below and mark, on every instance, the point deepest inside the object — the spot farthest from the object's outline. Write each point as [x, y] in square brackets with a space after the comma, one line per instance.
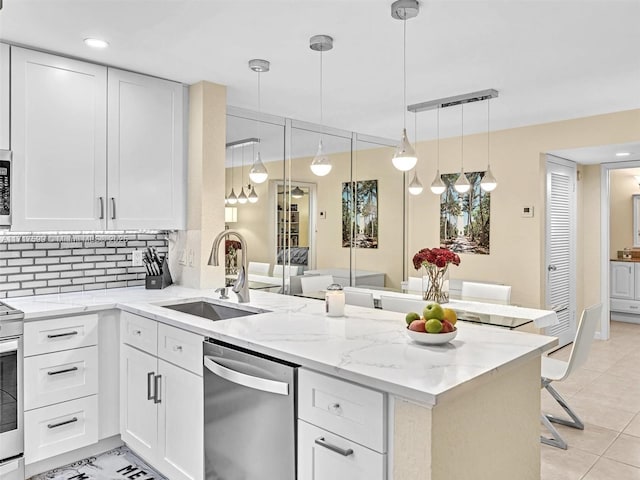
[181, 348]
[60, 376]
[627, 306]
[60, 428]
[323, 455]
[57, 334]
[139, 332]
[344, 408]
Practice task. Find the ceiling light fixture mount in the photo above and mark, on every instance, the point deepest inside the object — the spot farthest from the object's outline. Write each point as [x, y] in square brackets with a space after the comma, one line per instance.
[258, 172]
[405, 156]
[321, 165]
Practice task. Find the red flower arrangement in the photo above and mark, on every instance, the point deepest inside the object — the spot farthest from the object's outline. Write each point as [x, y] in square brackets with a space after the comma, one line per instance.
[230, 246]
[436, 263]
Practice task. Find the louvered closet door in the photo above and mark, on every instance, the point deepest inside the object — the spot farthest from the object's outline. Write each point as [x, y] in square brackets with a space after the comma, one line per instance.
[561, 247]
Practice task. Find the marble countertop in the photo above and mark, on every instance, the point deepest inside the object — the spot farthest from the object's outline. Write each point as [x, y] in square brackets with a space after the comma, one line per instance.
[367, 346]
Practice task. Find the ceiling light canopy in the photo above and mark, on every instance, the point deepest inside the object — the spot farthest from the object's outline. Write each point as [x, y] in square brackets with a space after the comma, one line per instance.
[321, 164]
[258, 172]
[405, 156]
[96, 43]
[623, 154]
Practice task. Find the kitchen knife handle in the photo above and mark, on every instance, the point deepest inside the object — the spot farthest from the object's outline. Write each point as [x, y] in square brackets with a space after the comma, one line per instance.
[101, 208]
[113, 208]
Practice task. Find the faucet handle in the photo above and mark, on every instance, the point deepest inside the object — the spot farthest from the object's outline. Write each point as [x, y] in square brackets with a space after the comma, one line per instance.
[223, 292]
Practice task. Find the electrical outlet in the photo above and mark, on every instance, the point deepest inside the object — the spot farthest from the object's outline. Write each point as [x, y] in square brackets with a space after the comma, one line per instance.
[136, 258]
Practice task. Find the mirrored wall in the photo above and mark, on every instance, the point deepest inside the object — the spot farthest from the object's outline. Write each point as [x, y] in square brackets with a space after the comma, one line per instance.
[348, 223]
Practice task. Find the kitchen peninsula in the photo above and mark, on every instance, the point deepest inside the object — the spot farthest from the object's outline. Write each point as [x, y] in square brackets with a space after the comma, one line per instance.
[447, 410]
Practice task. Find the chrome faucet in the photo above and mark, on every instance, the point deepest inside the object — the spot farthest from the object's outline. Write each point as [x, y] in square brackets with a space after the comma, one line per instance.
[241, 285]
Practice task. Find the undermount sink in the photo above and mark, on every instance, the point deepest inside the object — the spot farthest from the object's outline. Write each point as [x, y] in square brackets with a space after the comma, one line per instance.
[213, 311]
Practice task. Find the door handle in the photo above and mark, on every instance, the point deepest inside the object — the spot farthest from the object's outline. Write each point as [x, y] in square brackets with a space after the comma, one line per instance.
[552, 268]
[149, 377]
[249, 381]
[101, 208]
[59, 335]
[157, 389]
[323, 443]
[66, 370]
[66, 422]
[113, 208]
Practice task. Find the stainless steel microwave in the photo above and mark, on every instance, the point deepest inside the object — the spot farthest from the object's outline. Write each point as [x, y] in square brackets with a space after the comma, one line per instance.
[5, 187]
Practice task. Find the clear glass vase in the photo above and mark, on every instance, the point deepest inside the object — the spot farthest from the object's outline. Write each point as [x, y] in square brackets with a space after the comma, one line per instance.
[435, 283]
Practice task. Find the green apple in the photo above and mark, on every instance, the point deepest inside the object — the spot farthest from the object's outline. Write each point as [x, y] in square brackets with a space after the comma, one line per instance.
[433, 326]
[411, 316]
[433, 310]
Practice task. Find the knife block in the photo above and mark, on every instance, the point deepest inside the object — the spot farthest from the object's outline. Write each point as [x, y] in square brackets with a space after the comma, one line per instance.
[157, 282]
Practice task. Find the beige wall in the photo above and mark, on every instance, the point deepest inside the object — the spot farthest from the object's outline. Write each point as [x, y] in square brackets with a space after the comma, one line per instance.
[623, 186]
[517, 243]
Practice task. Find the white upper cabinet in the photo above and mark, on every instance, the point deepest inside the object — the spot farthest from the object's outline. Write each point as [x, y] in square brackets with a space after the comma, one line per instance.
[58, 138]
[95, 148]
[4, 96]
[146, 186]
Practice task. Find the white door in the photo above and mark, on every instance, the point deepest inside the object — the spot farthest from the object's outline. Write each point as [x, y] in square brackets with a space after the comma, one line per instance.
[58, 138]
[622, 280]
[561, 247]
[4, 96]
[180, 423]
[325, 456]
[138, 410]
[146, 158]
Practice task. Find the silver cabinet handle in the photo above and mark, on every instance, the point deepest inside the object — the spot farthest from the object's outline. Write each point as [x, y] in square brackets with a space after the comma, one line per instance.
[256, 383]
[137, 332]
[177, 348]
[113, 208]
[149, 377]
[59, 335]
[157, 388]
[101, 208]
[66, 422]
[66, 370]
[323, 443]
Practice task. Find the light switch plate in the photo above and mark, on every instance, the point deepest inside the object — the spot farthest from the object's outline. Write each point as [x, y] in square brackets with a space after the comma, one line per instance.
[323, 214]
[527, 211]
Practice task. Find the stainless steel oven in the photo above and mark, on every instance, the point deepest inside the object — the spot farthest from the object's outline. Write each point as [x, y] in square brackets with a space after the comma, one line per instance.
[11, 394]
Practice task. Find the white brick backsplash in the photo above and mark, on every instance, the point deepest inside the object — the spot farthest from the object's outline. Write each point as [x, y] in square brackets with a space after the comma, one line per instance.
[58, 265]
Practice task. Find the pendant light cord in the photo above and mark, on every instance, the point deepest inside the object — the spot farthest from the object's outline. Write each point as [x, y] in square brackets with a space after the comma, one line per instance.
[259, 114]
[462, 140]
[438, 140]
[488, 134]
[232, 162]
[321, 112]
[404, 69]
[242, 171]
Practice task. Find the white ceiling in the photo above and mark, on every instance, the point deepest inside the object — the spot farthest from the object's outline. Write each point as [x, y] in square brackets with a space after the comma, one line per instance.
[601, 153]
[550, 60]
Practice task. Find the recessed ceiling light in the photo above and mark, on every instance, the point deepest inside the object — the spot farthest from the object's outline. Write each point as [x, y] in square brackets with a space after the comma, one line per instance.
[96, 43]
[623, 154]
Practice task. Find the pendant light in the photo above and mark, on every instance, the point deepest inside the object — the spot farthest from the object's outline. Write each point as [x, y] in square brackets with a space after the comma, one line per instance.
[321, 165]
[415, 186]
[242, 198]
[297, 192]
[253, 196]
[488, 182]
[258, 172]
[462, 184]
[232, 199]
[405, 157]
[437, 186]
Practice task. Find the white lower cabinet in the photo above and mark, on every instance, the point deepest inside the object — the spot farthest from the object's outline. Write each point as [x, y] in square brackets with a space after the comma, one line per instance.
[161, 407]
[60, 428]
[325, 456]
[341, 429]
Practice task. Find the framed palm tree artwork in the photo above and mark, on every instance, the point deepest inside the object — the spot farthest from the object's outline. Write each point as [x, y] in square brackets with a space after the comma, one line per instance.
[465, 217]
[360, 214]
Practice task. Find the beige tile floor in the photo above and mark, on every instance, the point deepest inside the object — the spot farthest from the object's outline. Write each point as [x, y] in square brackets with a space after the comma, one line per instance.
[605, 394]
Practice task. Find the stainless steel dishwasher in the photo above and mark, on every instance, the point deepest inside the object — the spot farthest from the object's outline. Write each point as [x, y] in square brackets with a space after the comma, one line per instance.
[249, 415]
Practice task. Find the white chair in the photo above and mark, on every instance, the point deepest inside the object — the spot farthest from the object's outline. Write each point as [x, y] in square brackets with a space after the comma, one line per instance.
[259, 268]
[403, 305]
[486, 292]
[287, 270]
[315, 283]
[414, 284]
[554, 370]
[354, 296]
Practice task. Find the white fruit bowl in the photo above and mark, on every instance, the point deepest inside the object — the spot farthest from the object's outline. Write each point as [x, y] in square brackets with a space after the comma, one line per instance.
[432, 338]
